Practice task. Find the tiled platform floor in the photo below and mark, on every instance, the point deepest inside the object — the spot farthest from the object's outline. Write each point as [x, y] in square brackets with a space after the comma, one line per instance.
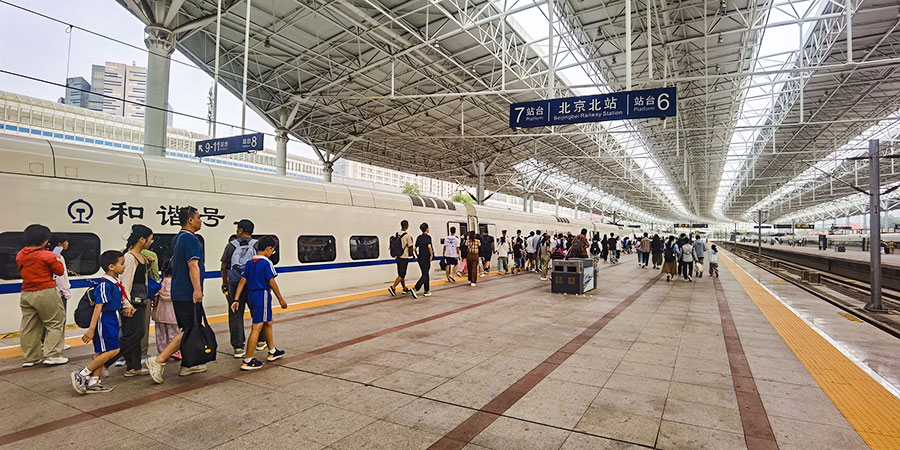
[405, 374]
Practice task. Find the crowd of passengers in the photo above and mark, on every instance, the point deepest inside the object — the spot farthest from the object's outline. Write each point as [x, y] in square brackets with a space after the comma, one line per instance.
[136, 287]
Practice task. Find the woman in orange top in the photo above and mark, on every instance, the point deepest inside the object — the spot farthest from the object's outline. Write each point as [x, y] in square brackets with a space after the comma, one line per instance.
[41, 308]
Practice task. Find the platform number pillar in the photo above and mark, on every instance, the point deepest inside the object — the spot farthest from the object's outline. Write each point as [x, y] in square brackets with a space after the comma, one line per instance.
[874, 304]
[281, 140]
[160, 43]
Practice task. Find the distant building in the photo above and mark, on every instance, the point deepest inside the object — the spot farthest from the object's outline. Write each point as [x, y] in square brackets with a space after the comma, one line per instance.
[124, 89]
[77, 92]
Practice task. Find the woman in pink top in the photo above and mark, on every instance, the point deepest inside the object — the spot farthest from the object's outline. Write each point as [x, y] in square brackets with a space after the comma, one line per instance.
[163, 313]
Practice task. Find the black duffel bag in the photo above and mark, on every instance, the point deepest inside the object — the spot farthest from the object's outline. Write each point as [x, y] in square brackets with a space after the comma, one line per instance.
[198, 344]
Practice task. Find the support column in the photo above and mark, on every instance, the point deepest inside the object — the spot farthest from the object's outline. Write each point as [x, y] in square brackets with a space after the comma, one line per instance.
[531, 203]
[281, 140]
[525, 201]
[557, 207]
[480, 174]
[160, 43]
[874, 304]
[328, 171]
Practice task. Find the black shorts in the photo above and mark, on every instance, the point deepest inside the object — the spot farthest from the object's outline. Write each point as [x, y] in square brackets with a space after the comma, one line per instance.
[402, 264]
[185, 312]
[450, 261]
[485, 259]
[530, 256]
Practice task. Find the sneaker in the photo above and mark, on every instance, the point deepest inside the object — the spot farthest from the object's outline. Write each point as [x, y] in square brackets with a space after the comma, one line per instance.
[30, 363]
[66, 346]
[185, 371]
[253, 364]
[78, 382]
[427, 294]
[156, 370]
[413, 293]
[274, 356]
[55, 361]
[97, 388]
[472, 284]
[392, 291]
[238, 353]
[136, 373]
[120, 362]
[543, 279]
[260, 346]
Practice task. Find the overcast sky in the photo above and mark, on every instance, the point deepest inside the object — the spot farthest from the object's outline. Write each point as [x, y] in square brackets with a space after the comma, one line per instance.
[39, 47]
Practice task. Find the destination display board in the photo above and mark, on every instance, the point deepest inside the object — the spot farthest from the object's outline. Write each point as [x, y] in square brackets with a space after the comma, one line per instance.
[804, 226]
[764, 227]
[633, 226]
[229, 145]
[682, 225]
[783, 225]
[661, 102]
[699, 225]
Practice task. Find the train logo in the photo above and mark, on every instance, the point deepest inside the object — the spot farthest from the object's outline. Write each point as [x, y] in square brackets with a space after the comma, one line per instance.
[80, 207]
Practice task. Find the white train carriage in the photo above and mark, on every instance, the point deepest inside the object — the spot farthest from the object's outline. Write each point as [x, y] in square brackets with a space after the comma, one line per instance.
[331, 236]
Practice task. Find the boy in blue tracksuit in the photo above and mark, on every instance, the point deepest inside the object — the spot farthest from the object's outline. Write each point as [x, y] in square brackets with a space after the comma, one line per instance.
[259, 278]
[104, 330]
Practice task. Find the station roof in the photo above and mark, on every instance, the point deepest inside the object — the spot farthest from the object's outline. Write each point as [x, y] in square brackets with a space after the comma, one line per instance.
[768, 102]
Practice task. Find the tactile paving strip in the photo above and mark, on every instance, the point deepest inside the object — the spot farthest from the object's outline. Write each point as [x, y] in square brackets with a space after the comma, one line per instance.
[869, 408]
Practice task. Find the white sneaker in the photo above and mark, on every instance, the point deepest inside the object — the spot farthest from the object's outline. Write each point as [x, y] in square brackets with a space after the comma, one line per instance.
[543, 279]
[66, 346]
[238, 353]
[472, 284]
[156, 370]
[120, 362]
[185, 371]
[30, 363]
[427, 294]
[56, 361]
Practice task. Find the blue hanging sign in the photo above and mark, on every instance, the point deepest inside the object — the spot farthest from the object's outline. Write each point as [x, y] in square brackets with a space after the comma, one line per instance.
[642, 104]
[228, 145]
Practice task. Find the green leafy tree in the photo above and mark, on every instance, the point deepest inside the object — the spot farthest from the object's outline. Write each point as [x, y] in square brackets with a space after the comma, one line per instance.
[462, 197]
[411, 189]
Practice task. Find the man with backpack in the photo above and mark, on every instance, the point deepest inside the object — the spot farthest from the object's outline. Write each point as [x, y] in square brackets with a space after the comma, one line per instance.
[240, 249]
[401, 245]
[580, 245]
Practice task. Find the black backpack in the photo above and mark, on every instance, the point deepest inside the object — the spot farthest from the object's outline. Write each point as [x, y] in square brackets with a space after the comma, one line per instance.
[669, 253]
[397, 245]
[595, 248]
[85, 309]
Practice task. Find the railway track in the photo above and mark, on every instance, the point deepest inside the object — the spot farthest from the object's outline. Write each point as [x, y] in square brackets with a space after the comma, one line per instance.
[845, 293]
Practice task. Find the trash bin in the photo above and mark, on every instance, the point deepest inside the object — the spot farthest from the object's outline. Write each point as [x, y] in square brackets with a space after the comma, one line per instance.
[573, 276]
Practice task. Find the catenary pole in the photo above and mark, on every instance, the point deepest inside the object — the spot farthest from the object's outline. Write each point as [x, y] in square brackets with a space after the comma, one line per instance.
[874, 304]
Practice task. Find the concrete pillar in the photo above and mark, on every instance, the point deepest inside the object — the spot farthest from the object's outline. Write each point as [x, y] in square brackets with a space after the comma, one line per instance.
[480, 174]
[525, 201]
[160, 43]
[557, 208]
[281, 141]
[329, 170]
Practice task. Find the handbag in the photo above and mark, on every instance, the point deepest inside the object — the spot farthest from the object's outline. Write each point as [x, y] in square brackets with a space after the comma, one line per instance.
[198, 344]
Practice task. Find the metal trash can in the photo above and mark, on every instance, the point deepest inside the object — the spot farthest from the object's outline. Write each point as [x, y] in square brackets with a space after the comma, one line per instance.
[573, 276]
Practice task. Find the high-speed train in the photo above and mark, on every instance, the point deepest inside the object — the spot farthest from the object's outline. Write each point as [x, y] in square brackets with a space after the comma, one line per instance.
[331, 236]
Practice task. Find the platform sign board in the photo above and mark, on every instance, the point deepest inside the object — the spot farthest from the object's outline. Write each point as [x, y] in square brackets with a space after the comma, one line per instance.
[682, 225]
[783, 225]
[804, 226]
[633, 226]
[699, 225]
[661, 102]
[764, 227]
[229, 145]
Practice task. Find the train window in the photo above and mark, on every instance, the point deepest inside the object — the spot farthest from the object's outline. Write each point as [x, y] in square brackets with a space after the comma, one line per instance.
[82, 257]
[162, 246]
[275, 256]
[416, 200]
[364, 247]
[316, 249]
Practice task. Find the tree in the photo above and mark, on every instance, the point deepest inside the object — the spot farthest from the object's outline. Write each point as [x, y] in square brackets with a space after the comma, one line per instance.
[411, 189]
[462, 197]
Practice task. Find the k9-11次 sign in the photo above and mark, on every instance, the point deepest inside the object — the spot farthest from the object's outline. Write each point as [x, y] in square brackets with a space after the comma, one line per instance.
[594, 108]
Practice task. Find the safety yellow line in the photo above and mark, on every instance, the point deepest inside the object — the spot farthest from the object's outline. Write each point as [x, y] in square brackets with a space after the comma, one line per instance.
[75, 341]
[870, 408]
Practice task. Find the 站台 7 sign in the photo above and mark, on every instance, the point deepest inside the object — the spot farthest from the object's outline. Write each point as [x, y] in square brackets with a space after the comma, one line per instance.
[660, 102]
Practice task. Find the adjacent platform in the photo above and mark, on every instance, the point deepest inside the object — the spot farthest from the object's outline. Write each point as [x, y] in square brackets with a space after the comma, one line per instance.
[637, 363]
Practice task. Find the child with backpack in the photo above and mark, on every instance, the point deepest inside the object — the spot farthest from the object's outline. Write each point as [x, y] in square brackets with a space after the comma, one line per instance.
[259, 278]
[714, 261]
[163, 313]
[104, 300]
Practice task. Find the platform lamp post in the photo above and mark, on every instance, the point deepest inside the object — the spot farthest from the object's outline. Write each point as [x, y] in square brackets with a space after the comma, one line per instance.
[874, 304]
[759, 229]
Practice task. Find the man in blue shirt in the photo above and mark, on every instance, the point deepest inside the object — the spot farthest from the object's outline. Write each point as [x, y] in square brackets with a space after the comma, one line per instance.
[187, 289]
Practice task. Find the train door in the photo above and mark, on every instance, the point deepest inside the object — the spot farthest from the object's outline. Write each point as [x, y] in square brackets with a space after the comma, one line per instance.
[463, 227]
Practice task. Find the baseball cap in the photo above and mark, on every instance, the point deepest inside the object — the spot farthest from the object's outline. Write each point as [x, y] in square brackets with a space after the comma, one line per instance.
[245, 225]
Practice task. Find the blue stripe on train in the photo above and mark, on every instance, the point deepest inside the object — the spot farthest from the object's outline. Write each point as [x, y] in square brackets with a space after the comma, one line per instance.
[12, 288]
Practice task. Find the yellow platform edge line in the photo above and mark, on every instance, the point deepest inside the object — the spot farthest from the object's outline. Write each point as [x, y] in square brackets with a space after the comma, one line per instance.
[15, 351]
[872, 410]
